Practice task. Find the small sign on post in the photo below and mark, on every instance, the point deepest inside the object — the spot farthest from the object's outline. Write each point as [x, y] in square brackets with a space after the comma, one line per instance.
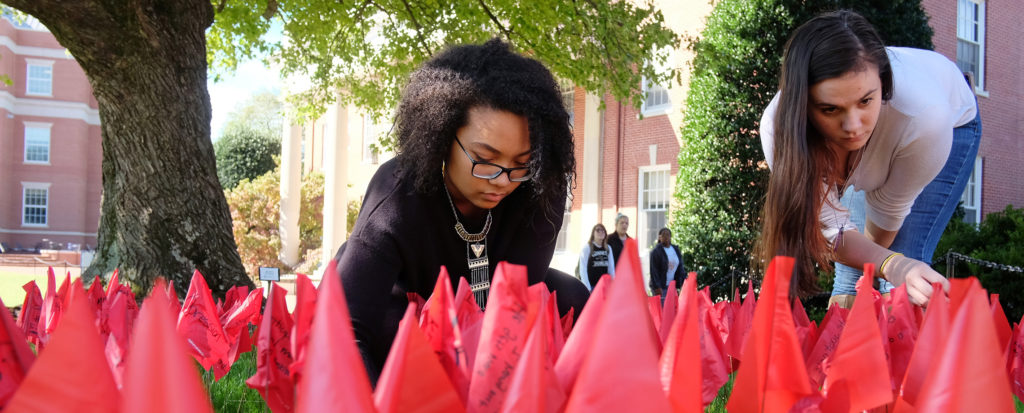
[270, 274]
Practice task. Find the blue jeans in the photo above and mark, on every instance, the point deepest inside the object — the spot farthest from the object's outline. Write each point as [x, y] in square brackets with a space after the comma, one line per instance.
[932, 209]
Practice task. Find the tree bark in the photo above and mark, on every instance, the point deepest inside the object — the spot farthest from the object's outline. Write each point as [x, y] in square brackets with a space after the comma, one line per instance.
[163, 212]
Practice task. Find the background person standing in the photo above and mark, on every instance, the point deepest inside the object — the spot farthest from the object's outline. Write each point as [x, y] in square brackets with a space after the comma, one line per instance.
[619, 237]
[666, 264]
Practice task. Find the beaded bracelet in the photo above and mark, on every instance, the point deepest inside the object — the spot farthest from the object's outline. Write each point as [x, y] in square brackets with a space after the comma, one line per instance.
[881, 268]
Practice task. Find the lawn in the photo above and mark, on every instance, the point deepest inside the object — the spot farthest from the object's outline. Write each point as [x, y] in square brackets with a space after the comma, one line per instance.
[11, 283]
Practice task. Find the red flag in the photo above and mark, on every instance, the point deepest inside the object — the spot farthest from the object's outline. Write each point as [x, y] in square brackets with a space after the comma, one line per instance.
[857, 377]
[680, 363]
[1003, 331]
[770, 378]
[96, 294]
[534, 386]
[305, 303]
[72, 375]
[114, 284]
[567, 319]
[654, 312]
[714, 361]
[273, 356]
[31, 309]
[934, 331]
[334, 374]
[1017, 361]
[471, 319]
[556, 338]
[668, 311]
[117, 314]
[233, 296]
[502, 337]
[199, 325]
[15, 356]
[439, 326]
[157, 359]
[635, 384]
[51, 311]
[970, 373]
[828, 338]
[578, 344]
[236, 321]
[412, 379]
[741, 325]
[902, 332]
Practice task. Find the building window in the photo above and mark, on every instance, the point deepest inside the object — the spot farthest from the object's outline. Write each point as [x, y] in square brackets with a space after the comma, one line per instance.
[37, 143]
[568, 99]
[656, 100]
[972, 195]
[654, 199]
[373, 131]
[970, 40]
[39, 78]
[35, 199]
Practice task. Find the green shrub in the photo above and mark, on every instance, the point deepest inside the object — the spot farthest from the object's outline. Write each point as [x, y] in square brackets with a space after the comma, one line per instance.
[722, 175]
[244, 154]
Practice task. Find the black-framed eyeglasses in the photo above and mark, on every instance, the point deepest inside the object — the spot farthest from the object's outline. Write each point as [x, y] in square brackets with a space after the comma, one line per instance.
[487, 170]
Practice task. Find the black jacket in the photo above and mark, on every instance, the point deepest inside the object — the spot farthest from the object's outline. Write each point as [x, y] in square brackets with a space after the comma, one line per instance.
[659, 265]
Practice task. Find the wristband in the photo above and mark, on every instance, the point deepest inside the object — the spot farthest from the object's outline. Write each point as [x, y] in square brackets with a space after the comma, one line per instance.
[881, 268]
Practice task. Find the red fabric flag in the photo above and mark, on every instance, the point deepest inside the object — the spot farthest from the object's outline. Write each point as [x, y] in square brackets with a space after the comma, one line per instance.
[114, 284]
[534, 386]
[567, 322]
[1003, 330]
[620, 372]
[96, 294]
[741, 325]
[934, 331]
[581, 339]
[440, 328]
[857, 377]
[236, 321]
[902, 331]
[273, 355]
[1017, 360]
[172, 298]
[828, 338]
[970, 373]
[51, 311]
[233, 296]
[31, 309]
[715, 363]
[199, 325]
[15, 356]
[680, 363]
[412, 379]
[502, 338]
[159, 377]
[654, 312]
[770, 378]
[556, 338]
[334, 374]
[305, 303]
[471, 319]
[117, 317]
[72, 375]
[668, 311]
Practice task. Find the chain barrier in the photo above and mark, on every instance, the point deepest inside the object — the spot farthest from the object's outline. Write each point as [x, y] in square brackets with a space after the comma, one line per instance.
[952, 257]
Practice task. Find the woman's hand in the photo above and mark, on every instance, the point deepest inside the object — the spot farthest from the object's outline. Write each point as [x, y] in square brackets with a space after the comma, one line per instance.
[916, 275]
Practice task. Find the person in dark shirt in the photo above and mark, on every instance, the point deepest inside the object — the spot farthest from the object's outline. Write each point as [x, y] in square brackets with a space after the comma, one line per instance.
[618, 238]
[485, 157]
[666, 264]
[596, 258]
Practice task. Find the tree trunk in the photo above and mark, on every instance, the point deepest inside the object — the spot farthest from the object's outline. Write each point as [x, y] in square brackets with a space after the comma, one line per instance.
[164, 212]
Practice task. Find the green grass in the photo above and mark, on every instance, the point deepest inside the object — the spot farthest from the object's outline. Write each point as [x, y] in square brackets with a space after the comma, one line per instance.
[230, 394]
[11, 284]
[718, 405]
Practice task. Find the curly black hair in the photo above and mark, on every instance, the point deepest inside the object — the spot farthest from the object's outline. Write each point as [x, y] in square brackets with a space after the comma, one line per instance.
[440, 93]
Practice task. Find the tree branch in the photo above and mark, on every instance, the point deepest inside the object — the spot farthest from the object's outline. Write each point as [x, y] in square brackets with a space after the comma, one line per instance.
[419, 29]
[501, 27]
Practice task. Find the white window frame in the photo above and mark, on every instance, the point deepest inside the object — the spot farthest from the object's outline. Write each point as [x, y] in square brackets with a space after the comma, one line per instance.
[371, 135]
[642, 224]
[979, 81]
[49, 142]
[568, 90]
[562, 239]
[649, 89]
[48, 81]
[972, 204]
[25, 187]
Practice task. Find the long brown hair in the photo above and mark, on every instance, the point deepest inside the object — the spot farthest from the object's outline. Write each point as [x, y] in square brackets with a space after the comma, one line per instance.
[804, 167]
[593, 230]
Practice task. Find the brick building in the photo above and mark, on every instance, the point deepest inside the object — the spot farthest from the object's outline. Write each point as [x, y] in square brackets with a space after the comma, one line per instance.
[50, 151]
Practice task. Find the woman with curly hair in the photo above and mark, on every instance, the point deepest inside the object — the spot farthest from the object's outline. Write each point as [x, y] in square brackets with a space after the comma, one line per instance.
[485, 157]
[898, 125]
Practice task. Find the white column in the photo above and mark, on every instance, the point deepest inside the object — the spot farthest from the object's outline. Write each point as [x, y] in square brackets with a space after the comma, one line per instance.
[335, 180]
[591, 175]
[291, 192]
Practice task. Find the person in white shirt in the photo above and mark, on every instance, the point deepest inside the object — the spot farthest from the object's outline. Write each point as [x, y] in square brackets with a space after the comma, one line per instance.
[899, 124]
[666, 264]
[596, 259]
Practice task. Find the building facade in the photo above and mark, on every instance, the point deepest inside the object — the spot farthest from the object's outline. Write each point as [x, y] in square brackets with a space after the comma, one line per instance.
[50, 149]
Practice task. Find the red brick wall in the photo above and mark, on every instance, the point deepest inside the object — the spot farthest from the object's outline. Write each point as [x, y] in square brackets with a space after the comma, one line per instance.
[625, 154]
[1002, 111]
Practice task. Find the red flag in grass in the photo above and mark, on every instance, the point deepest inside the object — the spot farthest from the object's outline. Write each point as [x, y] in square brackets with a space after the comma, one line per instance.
[668, 311]
[412, 379]
[502, 337]
[439, 326]
[567, 325]
[771, 377]
[1017, 361]
[114, 284]
[581, 339]
[273, 356]
[828, 338]
[233, 296]
[305, 303]
[96, 295]
[118, 314]
[970, 374]
[934, 330]
[613, 379]
[334, 376]
[902, 332]
[172, 297]
[72, 375]
[471, 319]
[52, 309]
[534, 386]
[654, 313]
[159, 377]
[680, 363]
[31, 309]
[741, 325]
[857, 377]
[15, 356]
[235, 320]
[556, 338]
[199, 325]
[1003, 331]
[714, 361]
